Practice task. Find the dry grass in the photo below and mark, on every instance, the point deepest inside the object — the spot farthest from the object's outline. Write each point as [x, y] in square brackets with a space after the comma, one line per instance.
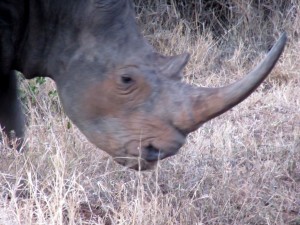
[241, 168]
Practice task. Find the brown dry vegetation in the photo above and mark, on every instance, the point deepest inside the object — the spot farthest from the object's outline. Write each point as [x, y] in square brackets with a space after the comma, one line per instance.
[241, 168]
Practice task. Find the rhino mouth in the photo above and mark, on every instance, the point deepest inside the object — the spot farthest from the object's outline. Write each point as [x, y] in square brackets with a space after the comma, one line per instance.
[147, 159]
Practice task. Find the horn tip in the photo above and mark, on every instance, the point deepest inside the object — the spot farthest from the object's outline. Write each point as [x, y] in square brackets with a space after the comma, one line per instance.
[282, 39]
[283, 36]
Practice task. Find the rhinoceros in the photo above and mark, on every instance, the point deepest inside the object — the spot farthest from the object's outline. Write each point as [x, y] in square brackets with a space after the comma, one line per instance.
[124, 96]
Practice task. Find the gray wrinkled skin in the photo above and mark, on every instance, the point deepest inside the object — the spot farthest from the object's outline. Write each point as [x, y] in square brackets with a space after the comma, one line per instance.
[125, 98]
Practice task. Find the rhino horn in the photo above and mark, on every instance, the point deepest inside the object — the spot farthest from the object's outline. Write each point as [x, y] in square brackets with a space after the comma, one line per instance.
[208, 103]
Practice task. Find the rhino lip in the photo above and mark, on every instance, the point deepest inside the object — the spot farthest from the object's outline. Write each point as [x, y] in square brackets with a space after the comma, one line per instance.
[143, 166]
[149, 157]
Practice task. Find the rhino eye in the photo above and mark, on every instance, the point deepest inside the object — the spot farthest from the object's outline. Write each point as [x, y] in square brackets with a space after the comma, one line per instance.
[126, 79]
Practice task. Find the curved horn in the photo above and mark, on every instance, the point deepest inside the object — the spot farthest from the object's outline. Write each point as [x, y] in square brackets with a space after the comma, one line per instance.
[211, 102]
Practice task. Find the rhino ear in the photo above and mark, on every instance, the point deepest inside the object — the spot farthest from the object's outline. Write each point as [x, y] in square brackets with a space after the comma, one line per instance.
[172, 66]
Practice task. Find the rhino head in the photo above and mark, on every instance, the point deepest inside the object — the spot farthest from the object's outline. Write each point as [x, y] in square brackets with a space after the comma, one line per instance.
[126, 98]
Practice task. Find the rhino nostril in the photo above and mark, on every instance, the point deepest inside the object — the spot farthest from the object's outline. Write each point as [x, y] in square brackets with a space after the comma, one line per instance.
[153, 154]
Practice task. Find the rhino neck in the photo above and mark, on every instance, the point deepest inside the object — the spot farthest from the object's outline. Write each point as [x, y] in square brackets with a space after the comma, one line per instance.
[59, 34]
